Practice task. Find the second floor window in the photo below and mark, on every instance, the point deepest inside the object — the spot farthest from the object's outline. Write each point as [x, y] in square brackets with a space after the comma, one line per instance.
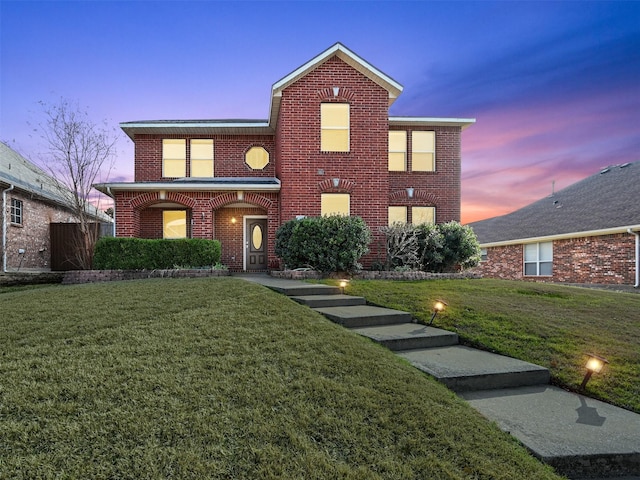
[16, 211]
[334, 127]
[174, 158]
[423, 151]
[397, 151]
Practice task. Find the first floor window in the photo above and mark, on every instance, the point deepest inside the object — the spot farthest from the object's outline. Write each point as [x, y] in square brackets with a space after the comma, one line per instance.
[335, 204]
[174, 224]
[397, 214]
[538, 259]
[16, 211]
[420, 215]
[174, 158]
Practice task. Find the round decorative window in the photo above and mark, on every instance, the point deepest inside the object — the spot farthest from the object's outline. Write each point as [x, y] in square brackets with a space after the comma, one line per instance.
[257, 158]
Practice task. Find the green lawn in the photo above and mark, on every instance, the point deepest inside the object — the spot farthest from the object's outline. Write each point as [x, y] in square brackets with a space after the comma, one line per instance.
[219, 378]
[551, 325]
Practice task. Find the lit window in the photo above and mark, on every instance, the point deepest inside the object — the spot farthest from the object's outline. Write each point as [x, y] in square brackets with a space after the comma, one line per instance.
[202, 158]
[174, 224]
[334, 126]
[257, 158]
[420, 215]
[397, 214]
[423, 151]
[538, 259]
[174, 158]
[335, 203]
[397, 151]
[16, 211]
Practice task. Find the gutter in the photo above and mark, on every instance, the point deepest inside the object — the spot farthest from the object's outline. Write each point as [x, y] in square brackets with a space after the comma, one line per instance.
[637, 235]
[4, 227]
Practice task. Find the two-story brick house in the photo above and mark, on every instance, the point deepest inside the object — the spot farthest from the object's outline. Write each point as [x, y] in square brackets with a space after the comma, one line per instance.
[328, 146]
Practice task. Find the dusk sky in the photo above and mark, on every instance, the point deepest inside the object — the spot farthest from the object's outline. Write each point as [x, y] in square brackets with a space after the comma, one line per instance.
[554, 86]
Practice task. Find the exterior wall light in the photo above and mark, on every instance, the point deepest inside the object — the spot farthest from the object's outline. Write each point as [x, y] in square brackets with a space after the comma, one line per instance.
[437, 307]
[233, 220]
[336, 182]
[595, 364]
[410, 192]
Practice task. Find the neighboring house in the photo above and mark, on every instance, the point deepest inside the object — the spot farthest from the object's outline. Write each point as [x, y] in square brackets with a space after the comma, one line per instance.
[588, 232]
[31, 201]
[328, 146]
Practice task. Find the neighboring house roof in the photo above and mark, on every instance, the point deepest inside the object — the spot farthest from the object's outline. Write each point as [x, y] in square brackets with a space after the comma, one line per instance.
[29, 178]
[604, 203]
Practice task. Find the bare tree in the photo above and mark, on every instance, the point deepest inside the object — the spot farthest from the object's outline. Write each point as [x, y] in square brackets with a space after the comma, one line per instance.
[79, 151]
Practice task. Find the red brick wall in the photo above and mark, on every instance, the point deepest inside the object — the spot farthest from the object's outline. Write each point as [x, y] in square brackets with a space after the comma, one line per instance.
[33, 235]
[298, 144]
[441, 188]
[228, 161]
[607, 259]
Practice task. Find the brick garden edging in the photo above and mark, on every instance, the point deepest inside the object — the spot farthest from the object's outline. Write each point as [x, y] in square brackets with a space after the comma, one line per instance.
[92, 276]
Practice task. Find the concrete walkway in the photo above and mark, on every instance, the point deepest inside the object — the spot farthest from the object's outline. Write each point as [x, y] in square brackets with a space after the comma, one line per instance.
[580, 437]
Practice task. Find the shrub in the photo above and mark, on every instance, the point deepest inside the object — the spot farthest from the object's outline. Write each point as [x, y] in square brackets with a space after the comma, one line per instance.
[145, 254]
[460, 247]
[331, 243]
[401, 245]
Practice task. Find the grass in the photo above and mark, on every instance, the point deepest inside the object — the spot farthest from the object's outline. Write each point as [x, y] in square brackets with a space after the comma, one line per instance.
[550, 325]
[219, 378]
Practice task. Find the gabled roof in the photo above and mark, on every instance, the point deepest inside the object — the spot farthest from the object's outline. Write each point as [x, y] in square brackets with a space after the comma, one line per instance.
[347, 56]
[29, 178]
[604, 203]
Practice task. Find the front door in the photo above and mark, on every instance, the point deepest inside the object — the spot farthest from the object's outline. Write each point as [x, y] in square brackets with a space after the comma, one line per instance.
[256, 243]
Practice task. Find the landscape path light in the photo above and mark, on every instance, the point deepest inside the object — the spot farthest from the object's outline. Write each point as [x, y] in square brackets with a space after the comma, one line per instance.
[437, 307]
[595, 364]
[343, 284]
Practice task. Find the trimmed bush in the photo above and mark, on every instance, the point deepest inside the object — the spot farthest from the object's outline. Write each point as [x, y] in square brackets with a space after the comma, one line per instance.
[332, 243]
[145, 254]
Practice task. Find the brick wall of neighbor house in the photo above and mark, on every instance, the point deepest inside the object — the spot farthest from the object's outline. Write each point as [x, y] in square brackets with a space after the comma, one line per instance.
[33, 235]
[441, 188]
[606, 259]
[228, 150]
[304, 169]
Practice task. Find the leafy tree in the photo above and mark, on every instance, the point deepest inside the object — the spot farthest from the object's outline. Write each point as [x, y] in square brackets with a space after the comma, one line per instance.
[460, 249]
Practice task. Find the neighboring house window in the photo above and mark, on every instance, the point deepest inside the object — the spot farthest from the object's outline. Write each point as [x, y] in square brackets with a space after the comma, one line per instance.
[397, 151]
[397, 214]
[420, 215]
[16, 211]
[174, 224]
[335, 203]
[201, 158]
[174, 158]
[423, 151]
[334, 127]
[538, 259]
[257, 158]
[483, 255]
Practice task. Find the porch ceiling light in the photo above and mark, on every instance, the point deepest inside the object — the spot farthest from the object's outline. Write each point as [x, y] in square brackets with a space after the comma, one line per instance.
[595, 364]
[439, 306]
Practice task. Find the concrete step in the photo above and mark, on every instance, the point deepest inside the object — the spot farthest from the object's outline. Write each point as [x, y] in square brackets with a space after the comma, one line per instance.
[579, 436]
[364, 316]
[463, 369]
[409, 336]
[292, 287]
[338, 300]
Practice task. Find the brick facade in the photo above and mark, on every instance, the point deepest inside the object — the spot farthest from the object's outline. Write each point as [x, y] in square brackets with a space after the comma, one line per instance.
[605, 259]
[296, 160]
[33, 235]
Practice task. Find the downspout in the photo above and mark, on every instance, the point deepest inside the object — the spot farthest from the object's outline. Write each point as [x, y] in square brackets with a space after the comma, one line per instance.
[637, 256]
[114, 210]
[4, 227]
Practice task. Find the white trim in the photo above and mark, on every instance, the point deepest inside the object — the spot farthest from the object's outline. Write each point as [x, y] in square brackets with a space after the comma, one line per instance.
[245, 245]
[432, 121]
[191, 186]
[561, 236]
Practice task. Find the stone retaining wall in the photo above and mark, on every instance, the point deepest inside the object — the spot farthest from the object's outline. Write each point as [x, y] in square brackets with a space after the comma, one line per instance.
[376, 275]
[92, 276]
